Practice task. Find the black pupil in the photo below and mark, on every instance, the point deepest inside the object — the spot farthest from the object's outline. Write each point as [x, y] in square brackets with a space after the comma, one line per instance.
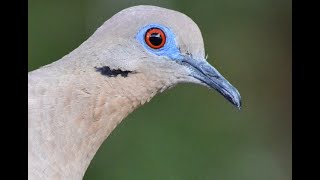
[155, 39]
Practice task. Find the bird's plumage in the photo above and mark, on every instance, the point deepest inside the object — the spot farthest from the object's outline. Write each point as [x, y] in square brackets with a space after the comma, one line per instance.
[73, 106]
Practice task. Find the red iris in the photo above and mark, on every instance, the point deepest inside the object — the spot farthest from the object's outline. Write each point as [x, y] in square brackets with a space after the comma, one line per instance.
[155, 38]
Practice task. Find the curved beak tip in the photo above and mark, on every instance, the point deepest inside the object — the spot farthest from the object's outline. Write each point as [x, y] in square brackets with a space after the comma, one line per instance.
[231, 94]
[238, 104]
[237, 100]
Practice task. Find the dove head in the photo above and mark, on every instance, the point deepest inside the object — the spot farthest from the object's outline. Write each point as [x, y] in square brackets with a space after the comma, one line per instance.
[162, 44]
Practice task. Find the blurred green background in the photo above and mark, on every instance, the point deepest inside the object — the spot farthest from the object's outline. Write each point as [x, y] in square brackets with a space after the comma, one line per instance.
[189, 132]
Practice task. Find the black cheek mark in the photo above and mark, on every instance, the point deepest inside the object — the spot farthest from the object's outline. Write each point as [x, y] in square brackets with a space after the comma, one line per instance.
[106, 71]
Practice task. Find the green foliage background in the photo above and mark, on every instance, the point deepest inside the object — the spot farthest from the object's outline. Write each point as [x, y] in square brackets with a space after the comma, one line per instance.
[189, 132]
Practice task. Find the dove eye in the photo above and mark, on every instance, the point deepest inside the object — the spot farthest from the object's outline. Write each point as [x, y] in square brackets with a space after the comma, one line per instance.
[155, 38]
[159, 40]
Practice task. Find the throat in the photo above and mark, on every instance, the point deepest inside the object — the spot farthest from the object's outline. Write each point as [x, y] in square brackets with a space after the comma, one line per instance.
[71, 121]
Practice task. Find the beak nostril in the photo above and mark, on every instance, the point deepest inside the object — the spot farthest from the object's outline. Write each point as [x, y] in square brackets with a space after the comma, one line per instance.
[213, 76]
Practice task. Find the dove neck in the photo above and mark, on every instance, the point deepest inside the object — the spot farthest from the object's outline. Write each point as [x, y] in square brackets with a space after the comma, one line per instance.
[74, 113]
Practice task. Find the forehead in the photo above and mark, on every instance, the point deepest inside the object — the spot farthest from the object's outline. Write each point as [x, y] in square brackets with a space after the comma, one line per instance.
[129, 21]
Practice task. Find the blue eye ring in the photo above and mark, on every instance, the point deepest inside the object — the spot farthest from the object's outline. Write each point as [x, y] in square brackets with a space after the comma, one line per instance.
[169, 49]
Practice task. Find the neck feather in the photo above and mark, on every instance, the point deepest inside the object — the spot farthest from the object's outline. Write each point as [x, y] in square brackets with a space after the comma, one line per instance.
[70, 116]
